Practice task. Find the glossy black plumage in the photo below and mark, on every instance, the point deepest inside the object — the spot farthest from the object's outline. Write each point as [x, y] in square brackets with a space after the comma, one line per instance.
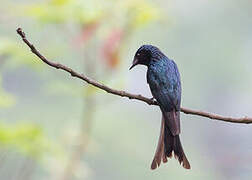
[164, 80]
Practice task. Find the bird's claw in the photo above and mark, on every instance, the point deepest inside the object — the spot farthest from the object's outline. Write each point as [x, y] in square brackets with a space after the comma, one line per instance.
[152, 100]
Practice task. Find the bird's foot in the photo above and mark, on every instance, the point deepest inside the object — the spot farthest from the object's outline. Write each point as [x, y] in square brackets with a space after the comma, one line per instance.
[153, 100]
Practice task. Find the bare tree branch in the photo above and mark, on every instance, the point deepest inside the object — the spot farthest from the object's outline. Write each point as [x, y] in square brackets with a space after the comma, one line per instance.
[150, 101]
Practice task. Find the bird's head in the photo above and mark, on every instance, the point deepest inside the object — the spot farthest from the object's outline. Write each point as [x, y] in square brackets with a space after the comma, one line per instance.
[144, 55]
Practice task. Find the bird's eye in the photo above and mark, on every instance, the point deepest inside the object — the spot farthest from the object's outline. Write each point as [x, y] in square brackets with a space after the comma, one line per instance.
[138, 54]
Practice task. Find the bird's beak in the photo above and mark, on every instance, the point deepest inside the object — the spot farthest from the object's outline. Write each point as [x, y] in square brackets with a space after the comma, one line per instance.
[135, 62]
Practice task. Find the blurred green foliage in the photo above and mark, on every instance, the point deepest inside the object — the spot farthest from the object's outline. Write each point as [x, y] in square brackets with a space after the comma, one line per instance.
[84, 12]
[25, 138]
[11, 49]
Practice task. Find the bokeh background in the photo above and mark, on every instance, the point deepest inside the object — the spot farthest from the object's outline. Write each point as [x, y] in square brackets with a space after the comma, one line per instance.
[53, 126]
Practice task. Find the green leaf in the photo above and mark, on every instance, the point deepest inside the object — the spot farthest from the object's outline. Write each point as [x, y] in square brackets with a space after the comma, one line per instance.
[18, 54]
[27, 139]
[141, 12]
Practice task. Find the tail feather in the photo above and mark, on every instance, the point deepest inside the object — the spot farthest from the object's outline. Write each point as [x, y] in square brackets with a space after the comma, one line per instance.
[167, 144]
[173, 144]
[159, 154]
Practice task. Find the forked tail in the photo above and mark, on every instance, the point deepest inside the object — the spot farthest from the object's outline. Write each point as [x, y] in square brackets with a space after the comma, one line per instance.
[167, 144]
[173, 144]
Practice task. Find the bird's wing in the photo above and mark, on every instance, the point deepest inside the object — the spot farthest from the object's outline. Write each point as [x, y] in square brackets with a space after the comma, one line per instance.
[175, 89]
[165, 86]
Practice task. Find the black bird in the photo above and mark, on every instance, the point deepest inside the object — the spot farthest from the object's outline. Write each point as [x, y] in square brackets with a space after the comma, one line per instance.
[164, 80]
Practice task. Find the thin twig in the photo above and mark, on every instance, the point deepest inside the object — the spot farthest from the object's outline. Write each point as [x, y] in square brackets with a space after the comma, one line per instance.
[150, 101]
